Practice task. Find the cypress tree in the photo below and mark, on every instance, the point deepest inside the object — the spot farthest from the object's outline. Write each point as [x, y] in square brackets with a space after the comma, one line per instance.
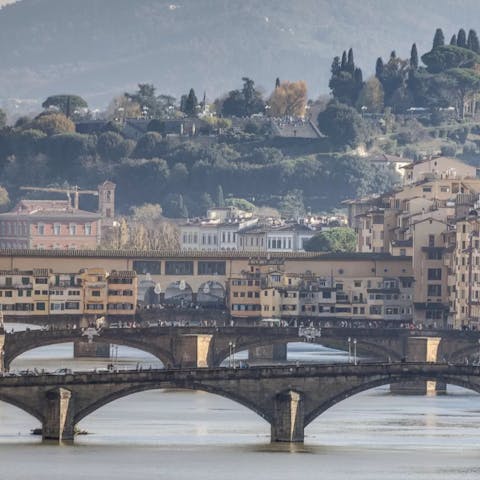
[414, 57]
[220, 197]
[438, 39]
[453, 40]
[358, 77]
[472, 41]
[379, 68]
[277, 81]
[344, 60]
[462, 38]
[350, 62]
[191, 103]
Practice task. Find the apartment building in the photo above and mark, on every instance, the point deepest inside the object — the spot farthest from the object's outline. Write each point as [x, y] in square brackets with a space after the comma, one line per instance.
[417, 220]
[90, 292]
[268, 291]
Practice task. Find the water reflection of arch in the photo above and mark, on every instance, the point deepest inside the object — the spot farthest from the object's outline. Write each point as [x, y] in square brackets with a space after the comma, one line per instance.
[211, 293]
[175, 294]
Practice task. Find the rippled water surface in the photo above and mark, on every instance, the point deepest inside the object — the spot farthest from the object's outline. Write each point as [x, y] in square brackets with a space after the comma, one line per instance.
[194, 435]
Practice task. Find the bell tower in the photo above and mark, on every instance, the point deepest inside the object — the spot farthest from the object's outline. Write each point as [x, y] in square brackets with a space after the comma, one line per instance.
[106, 205]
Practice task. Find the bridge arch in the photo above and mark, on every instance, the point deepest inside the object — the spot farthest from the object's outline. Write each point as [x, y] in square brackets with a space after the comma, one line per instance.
[343, 394]
[14, 350]
[38, 414]
[211, 294]
[179, 293]
[237, 398]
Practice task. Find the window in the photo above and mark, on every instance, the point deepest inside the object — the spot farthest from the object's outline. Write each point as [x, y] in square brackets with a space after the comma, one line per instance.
[72, 305]
[41, 229]
[25, 280]
[40, 306]
[143, 267]
[56, 306]
[211, 268]
[434, 254]
[56, 229]
[375, 310]
[434, 273]
[88, 229]
[178, 268]
[41, 281]
[327, 294]
[357, 283]
[72, 229]
[434, 291]
[95, 293]
[8, 293]
[95, 306]
[431, 240]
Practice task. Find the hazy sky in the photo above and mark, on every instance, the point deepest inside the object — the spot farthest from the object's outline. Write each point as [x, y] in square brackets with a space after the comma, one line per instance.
[4, 2]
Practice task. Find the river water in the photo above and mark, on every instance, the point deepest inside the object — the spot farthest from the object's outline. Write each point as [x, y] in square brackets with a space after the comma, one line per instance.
[184, 435]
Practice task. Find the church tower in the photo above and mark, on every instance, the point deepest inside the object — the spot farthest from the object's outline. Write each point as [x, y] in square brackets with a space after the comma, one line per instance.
[106, 206]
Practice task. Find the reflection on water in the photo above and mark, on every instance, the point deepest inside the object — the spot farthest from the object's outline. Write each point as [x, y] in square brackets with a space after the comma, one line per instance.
[182, 434]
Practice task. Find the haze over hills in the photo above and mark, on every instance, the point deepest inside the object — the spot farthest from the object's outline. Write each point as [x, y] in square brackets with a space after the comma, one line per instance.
[99, 48]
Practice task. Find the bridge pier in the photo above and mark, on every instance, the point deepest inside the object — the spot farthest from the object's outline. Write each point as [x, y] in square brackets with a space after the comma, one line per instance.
[268, 354]
[192, 351]
[420, 349]
[289, 418]
[58, 424]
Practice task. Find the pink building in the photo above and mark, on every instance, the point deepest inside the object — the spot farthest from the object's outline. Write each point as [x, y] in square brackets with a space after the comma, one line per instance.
[49, 224]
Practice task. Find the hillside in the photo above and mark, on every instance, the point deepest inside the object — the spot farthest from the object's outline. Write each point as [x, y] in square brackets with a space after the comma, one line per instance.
[100, 48]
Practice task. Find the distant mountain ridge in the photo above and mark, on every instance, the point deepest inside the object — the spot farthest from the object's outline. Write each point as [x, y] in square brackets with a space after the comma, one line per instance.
[99, 48]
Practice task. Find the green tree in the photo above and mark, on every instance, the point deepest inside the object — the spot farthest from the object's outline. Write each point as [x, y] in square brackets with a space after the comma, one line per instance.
[342, 124]
[438, 39]
[472, 41]
[414, 57]
[3, 118]
[253, 98]
[466, 83]
[346, 80]
[191, 103]
[462, 38]
[112, 146]
[67, 104]
[245, 102]
[220, 197]
[449, 56]
[379, 68]
[453, 40]
[338, 239]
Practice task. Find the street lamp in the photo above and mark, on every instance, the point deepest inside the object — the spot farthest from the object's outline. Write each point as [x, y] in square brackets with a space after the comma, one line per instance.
[349, 350]
[355, 351]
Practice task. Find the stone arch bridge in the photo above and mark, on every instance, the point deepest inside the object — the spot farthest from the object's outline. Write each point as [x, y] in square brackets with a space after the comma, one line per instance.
[209, 346]
[287, 397]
